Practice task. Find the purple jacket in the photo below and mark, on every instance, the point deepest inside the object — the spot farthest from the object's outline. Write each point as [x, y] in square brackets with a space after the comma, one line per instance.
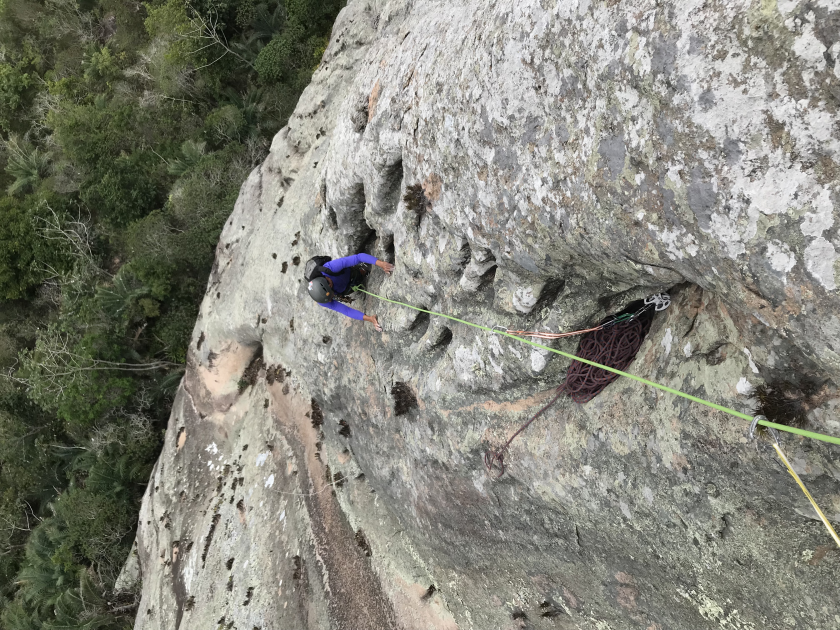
[341, 279]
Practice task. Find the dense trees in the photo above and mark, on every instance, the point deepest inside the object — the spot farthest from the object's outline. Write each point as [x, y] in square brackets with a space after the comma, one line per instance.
[126, 130]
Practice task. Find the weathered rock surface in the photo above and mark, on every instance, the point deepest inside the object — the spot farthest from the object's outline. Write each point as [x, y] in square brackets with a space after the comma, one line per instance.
[576, 156]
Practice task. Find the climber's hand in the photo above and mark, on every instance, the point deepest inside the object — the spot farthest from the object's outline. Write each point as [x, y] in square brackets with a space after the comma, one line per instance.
[385, 266]
[372, 319]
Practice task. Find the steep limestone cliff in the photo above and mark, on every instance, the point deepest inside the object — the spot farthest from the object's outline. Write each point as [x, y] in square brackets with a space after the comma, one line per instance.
[575, 156]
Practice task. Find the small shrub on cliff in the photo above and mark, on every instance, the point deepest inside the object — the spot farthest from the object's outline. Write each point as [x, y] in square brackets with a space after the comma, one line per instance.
[416, 202]
[404, 399]
[784, 402]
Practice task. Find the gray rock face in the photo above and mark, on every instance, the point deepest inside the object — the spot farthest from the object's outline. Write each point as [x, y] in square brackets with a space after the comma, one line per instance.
[575, 156]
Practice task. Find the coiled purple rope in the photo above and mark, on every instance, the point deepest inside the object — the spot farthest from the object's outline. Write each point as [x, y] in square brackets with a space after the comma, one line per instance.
[615, 346]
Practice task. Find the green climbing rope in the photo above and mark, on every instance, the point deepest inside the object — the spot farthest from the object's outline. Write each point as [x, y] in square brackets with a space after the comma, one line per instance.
[622, 318]
[809, 434]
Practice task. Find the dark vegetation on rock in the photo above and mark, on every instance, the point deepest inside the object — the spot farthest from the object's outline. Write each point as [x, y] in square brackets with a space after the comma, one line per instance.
[404, 399]
[209, 538]
[362, 542]
[276, 374]
[416, 202]
[549, 609]
[316, 415]
[344, 431]
[126, 130]
[252, 372]
[785, 402]
[297, 564]
[359, 117]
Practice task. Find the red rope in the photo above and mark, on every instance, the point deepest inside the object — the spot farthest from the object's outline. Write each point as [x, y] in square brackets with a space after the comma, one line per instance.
[615, 346]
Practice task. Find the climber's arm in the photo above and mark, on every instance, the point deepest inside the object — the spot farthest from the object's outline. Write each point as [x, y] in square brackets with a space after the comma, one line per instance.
[340, 264]
[338, 307]
[342, 308]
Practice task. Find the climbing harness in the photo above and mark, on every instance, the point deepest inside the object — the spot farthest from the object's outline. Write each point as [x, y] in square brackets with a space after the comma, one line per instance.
[778, 448]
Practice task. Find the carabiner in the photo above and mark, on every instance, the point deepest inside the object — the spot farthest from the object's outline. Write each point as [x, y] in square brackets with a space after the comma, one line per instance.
[661, 301]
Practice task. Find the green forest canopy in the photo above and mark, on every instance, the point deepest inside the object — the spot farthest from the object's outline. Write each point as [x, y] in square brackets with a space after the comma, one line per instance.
[126, 130]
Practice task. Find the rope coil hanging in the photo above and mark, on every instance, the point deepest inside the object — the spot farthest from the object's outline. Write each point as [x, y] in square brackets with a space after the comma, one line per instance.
[613, 343]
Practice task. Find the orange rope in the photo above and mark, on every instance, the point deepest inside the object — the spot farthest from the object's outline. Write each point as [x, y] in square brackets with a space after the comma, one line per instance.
[546, 335]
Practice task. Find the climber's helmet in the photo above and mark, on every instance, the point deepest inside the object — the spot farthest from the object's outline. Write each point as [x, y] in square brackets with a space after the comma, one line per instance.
[320, 290]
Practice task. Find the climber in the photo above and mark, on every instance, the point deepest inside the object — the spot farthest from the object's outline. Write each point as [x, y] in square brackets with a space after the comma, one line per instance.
[330, 280]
